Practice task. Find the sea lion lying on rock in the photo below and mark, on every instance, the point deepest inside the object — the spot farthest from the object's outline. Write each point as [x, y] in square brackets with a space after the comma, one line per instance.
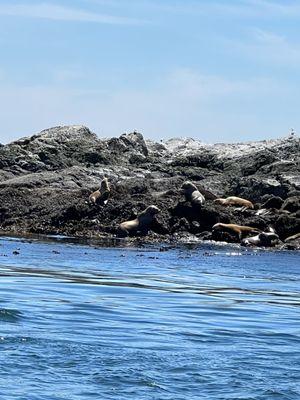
[238, 230]
[141, 224]
[292, 242]
[265, 239]
[192, 193]
[293, 237]
[234, 201]
[101, 195]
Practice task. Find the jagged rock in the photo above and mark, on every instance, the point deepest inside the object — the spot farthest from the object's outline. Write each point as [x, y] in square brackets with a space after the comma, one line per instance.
[272, 202]
[291, 204]
[136, 141]
[45, 181]
[255, 188]
[280, 167]
[195, 227]
[220, 236]
[293, 193]
[287, 225]
[52, 149]
[258, 160]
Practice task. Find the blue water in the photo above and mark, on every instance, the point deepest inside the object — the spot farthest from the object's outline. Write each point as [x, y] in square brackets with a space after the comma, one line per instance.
[79, 321]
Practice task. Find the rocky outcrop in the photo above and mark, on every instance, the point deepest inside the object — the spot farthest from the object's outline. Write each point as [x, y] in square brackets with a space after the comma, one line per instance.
[45, 181]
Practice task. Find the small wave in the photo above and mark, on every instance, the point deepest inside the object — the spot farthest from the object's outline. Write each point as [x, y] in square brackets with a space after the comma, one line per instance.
[7, 315]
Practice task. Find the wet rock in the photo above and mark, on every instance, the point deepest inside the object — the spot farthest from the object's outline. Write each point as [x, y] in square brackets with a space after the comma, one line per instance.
[220, 236]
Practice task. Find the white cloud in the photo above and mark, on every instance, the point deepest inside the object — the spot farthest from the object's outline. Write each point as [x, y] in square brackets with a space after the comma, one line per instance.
[241, 8]
[59, 13]
[268, 47]
[213, 8]
[185, 103]
[279, 48]
[283, 9]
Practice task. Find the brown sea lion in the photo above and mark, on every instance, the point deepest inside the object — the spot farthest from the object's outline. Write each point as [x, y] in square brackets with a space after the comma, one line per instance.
[141, 224]
[235, 201]
[293, 237]
[101, 195]
[239, 230]
[192, 193]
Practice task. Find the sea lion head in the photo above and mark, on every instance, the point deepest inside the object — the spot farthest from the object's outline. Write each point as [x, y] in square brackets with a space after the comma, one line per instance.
[188, 187]
[104, 185]
[151, 210]
[217, 226]
[220, 201]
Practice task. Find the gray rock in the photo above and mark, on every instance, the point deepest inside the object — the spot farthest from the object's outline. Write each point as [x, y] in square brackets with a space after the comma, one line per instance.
[273, 202]
[45, 181]
[291, 204]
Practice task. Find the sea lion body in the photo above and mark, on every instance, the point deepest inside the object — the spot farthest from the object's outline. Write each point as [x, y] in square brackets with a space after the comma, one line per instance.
[140, 224]
[239, 230]
[235, 201]
[265, 239]
[293, 237]
[101, 195]
[192, 194]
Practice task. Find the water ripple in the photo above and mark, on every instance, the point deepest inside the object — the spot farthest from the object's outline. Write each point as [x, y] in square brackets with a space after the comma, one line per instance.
[85, 322]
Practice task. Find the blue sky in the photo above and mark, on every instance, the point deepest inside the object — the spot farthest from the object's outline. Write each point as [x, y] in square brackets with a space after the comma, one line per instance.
[216, 70]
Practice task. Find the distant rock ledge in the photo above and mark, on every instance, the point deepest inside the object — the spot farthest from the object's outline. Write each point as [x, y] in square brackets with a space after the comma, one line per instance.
[45, 180]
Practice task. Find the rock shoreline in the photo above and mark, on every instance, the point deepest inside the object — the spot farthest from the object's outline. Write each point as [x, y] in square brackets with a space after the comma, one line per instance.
[46, 179]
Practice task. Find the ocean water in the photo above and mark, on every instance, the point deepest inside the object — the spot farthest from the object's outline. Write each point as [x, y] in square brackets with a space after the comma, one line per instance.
[81, 321]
